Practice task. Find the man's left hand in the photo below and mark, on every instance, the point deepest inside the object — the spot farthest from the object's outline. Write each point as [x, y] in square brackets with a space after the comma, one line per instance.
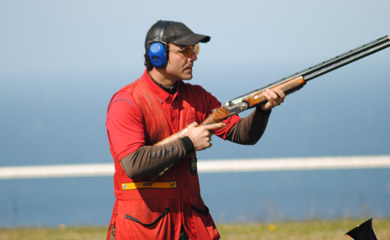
[275, 97]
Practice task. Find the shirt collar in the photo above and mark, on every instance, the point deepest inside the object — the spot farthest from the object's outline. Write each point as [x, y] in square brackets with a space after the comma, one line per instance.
[160, 93]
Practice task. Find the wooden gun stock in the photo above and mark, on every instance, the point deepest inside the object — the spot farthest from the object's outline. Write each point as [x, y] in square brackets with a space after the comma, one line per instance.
[289, 85]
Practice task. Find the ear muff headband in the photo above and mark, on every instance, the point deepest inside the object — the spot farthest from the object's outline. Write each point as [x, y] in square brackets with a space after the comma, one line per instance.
[157, 48]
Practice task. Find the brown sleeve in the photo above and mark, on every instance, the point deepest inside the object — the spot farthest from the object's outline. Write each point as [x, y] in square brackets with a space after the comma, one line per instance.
[248, 130]
[149, 160]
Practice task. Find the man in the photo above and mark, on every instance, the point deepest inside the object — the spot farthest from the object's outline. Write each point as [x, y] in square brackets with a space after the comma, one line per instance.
[159, 104]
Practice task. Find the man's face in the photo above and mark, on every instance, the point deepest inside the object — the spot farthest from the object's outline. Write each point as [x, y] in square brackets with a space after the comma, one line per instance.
[180, 62]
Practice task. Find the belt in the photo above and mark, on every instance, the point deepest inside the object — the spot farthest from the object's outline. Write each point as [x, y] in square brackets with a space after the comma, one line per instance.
[138, 185]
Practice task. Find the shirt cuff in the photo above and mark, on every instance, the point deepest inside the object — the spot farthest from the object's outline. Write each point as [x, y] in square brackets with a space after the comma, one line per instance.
[188, 144]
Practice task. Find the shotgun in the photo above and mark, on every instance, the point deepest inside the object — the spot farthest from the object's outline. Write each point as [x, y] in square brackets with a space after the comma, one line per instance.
[288, 84]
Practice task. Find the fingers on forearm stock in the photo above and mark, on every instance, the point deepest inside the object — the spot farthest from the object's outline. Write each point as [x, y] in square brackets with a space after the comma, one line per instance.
[280, 93]
[274, 98]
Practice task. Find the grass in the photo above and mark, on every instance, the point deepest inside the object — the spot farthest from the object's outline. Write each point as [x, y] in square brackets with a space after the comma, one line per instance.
[60, 233]
[313, 230]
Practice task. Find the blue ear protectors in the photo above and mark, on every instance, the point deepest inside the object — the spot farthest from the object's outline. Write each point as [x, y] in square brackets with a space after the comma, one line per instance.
[157, 54]
[157, 47]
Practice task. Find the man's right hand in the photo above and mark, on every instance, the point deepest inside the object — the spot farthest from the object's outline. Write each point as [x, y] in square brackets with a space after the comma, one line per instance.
[201, 135]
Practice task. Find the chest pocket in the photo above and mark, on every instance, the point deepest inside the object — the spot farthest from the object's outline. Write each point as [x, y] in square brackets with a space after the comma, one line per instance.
[188, 114]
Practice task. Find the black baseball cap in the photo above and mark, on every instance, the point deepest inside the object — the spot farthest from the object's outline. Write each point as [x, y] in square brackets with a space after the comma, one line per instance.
[173, 32]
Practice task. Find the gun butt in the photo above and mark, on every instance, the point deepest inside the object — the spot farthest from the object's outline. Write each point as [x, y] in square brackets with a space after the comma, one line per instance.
[363, 232]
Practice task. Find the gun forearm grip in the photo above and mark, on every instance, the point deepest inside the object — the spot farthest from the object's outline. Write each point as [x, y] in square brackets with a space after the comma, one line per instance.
[288, 86]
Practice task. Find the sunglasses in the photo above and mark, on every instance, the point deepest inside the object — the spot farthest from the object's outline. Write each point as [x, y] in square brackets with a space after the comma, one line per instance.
[187, 51]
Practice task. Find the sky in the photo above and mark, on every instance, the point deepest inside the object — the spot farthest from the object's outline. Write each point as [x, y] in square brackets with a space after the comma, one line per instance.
[61, 61]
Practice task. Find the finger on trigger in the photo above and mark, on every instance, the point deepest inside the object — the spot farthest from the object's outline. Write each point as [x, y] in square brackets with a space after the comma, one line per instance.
[214, 126]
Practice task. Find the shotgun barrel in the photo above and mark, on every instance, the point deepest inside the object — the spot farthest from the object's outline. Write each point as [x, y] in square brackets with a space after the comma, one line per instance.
[346, 58]
[324, 67]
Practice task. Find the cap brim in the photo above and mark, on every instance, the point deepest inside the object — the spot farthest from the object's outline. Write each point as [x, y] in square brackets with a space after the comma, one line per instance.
[192, 39]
